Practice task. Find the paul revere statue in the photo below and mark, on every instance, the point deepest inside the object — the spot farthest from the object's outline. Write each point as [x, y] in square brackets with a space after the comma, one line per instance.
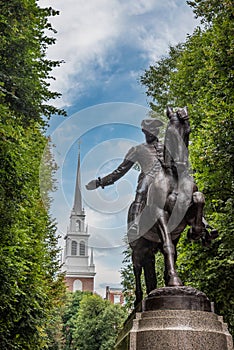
[146, 155]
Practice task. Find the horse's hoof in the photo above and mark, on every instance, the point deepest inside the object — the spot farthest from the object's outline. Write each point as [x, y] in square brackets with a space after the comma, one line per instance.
[209, 236]
[193, 234]
[214, 233]
[174, 281]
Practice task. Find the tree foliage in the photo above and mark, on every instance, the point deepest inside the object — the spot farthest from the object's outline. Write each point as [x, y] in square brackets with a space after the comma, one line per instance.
[97, 324]
[69, 316]
[127, 279]
[29, 254]
[30, 287]
[25, 70]
[199, 74]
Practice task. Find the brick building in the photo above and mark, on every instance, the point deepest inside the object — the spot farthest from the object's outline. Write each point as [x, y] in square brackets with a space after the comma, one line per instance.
[114, 295]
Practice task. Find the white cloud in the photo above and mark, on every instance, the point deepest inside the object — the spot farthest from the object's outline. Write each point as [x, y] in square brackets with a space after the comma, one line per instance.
[106, 276]
[106, 44]
[85, 33]
[140, 7]
[90, 34]
[107, 262]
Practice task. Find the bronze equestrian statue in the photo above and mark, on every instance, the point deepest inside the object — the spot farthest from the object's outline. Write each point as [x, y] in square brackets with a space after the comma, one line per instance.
[146, 155]
[166, 201]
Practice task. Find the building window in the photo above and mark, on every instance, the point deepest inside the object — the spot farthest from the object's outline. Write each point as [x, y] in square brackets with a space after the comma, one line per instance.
[82, 248]
[116, 299]
[78, 226]
[77, 285]
[73, 248]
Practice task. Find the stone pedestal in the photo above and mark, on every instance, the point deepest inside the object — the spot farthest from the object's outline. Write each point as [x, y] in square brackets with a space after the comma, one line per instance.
[166, 323]
[179, 330]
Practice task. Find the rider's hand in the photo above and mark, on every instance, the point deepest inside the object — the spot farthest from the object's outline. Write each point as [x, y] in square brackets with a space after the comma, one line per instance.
[92, 185]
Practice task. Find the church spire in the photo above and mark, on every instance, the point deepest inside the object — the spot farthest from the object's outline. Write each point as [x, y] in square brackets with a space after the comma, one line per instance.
[77, 207]
[78, 265]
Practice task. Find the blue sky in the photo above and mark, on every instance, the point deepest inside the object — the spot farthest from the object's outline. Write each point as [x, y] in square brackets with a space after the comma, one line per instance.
[106, 46]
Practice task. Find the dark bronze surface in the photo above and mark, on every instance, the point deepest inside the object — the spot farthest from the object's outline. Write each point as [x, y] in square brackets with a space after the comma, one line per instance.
[177, 298]
[166, 201]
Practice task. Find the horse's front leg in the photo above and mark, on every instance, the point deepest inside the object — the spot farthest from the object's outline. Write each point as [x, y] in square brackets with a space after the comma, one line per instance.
[196, 230]
[168, 248]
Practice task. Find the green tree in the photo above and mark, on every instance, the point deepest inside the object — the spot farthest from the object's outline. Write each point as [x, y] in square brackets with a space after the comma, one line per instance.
[157, 79]
[31, 289]
[97, 324]
[127, 279]
[199, 74]
[25, 70]
[69, 317]
[29, 264]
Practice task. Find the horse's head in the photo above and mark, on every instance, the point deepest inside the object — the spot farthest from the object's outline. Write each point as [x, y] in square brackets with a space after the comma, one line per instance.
[177, 137]
[181, 113]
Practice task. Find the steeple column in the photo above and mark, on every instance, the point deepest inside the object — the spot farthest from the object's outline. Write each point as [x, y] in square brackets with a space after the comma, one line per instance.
[78, 266]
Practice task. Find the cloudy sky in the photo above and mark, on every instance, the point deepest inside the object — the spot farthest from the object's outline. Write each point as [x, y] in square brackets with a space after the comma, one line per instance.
[106, 46]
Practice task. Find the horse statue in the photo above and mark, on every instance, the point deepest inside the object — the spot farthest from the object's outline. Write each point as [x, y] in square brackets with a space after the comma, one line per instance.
[173, 202]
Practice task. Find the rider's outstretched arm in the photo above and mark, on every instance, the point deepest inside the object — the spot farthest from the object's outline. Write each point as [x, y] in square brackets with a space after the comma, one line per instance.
[112, 177]
[122, 169]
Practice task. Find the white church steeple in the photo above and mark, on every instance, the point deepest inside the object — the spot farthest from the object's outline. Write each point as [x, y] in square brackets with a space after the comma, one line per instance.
[77, 206]
[78, 265]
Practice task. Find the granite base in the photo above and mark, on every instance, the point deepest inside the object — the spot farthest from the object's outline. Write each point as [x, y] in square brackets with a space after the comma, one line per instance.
[175, 318]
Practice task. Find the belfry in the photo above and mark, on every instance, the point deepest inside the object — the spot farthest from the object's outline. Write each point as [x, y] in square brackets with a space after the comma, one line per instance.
[78, 263]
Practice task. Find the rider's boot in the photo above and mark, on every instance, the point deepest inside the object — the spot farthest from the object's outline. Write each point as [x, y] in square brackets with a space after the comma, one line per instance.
[133, 231]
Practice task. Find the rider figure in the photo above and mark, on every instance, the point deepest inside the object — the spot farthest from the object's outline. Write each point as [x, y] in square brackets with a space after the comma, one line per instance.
[147, 155]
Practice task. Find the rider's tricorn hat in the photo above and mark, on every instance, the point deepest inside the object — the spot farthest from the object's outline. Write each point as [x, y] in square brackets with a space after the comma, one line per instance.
[151, 125]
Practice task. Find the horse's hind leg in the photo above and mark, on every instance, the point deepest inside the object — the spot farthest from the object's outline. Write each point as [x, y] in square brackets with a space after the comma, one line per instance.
[138, 291]
[137, 269]
[150, 273]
